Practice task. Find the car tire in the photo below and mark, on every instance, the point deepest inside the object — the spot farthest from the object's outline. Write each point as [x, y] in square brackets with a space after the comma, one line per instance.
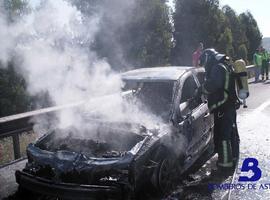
[26, 194]
[166, 174]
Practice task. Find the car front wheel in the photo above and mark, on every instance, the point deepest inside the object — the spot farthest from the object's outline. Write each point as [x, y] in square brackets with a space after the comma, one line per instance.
[166, 175]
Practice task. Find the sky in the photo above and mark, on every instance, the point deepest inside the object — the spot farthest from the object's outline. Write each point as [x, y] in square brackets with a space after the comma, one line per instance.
[260, 9]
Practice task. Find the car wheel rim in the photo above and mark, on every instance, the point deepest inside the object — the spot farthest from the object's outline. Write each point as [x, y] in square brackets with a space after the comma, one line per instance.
[165, 175]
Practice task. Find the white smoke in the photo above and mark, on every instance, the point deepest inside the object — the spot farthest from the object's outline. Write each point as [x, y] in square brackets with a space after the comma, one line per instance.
[53, 43]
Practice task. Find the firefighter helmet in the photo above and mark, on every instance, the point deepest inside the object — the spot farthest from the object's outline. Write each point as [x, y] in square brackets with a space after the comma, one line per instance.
[209, 57]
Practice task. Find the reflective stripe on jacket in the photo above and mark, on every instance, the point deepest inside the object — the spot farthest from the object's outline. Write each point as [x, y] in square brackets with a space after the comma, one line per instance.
[225, 93]
[219, 86]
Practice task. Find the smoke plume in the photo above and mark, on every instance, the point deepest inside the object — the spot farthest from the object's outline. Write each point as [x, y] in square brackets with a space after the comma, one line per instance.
[52, 46]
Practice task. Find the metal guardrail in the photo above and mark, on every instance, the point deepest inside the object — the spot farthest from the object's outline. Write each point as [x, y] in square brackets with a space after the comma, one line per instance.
[14, 125]
[251, 71]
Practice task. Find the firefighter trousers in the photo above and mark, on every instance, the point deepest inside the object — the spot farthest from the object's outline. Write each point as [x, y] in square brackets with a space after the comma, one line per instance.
[226, 137]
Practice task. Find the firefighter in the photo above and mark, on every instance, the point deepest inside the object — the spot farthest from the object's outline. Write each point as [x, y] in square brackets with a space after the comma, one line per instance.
[222, 99]
[257, 59]
[265, 64]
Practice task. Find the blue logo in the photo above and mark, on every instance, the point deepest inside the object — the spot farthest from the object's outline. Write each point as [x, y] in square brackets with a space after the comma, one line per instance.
[250, 164]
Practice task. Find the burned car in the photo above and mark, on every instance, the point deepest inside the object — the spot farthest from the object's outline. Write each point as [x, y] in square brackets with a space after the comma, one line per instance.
[127, 159]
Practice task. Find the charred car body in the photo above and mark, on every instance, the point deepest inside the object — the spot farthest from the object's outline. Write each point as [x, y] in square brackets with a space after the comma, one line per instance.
[128, 158]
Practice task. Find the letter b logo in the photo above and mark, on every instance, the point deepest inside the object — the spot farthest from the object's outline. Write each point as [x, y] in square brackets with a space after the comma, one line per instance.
[251, 164]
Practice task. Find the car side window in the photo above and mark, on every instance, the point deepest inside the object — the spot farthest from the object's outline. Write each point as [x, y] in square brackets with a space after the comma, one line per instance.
[188, 102]
[188, 89]
[201, 77]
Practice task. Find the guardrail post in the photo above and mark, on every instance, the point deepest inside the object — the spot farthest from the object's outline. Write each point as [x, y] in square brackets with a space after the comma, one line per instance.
[16, 146]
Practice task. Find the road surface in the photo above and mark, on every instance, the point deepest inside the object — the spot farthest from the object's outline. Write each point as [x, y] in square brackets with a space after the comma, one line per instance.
[254, 129]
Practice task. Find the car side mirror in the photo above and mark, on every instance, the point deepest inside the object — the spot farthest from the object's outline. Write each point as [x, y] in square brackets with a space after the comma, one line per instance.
[183, 106]
[184, 109]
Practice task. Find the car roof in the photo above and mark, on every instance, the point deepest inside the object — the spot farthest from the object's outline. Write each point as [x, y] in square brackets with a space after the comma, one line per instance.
[171, 73]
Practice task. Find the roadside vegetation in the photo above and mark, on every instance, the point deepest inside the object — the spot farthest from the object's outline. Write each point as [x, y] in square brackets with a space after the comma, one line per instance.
[152, 34]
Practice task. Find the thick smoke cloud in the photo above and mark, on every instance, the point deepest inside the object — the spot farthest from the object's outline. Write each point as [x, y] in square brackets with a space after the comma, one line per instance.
[55, 56]
[53, 50]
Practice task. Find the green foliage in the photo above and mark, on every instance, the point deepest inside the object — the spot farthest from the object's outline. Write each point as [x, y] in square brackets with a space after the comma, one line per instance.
[203, 21]
[132, 33]
[13, 96]
[153, 43]
[139, 33]
[145, 36]
[195, 21]
[225, 42]
[238, 33]
[253, 33]
[242, 52]
[16, 8]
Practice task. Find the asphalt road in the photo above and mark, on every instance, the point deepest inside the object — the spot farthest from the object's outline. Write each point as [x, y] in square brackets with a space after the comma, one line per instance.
[259, 93]
[254, 130]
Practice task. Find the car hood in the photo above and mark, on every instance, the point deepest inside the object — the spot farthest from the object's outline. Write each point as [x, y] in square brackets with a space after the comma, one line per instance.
[65, 161]
[109, 155]
[115, 146]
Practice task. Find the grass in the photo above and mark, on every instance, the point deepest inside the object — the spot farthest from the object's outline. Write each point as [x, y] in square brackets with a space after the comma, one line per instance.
[6, 146]
[6, 150]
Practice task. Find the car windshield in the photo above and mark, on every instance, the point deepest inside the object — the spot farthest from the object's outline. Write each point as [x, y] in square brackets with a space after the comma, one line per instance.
[155, 97]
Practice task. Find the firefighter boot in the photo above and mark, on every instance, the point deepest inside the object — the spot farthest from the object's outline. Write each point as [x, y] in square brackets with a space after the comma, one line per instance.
[235, 142]
[225, 158]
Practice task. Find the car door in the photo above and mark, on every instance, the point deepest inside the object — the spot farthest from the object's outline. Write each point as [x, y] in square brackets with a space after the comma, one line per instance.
[206, 119]
[193, 112]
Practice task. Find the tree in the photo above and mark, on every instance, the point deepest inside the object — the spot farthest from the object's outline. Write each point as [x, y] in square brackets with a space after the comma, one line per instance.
[196, 21]
[239, 37]
[253, 33]
[242, 52]
[203, 21]
[149, 36]
[13, 95]
[132, 33]
[15, 8]
[225, 42]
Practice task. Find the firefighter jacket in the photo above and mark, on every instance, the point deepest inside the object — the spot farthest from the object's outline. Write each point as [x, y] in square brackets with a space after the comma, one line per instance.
[220, 87]
[257, 59]
[265, 56]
